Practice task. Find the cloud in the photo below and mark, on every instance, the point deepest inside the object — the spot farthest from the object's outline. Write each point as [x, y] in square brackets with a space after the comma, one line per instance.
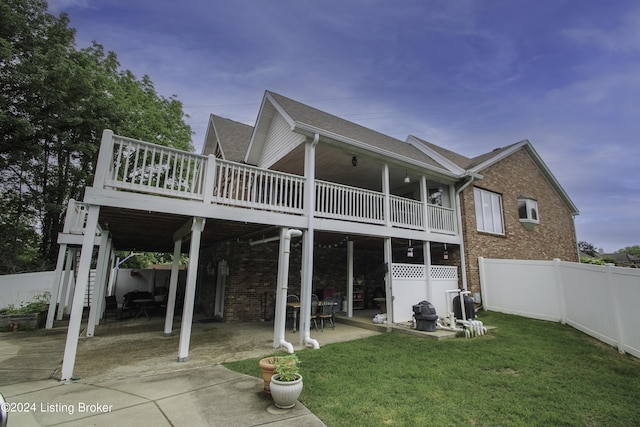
[621, 36]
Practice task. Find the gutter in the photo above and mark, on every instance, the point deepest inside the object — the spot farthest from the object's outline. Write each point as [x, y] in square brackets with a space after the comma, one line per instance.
[463, 263]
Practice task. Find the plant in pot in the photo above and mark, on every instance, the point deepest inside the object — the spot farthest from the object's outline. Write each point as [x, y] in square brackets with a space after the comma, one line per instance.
[286, 384]
[268, 367]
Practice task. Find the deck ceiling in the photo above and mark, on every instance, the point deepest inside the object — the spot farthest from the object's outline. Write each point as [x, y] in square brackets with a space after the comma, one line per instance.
[144, 231]
[134, 230]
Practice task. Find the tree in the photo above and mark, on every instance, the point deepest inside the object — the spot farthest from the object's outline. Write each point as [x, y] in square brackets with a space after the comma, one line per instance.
[587, 248]
[631, 250]
[55, 101]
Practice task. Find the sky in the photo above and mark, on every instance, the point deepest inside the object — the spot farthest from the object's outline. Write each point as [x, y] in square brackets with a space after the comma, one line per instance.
[468, 75]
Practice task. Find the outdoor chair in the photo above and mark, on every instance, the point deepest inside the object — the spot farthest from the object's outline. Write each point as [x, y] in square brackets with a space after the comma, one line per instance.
[328, 309]
[314, 310]
[111, 306]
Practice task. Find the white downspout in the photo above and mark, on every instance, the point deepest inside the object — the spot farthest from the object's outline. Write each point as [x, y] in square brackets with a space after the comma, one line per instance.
[463, 263]
[283, 281]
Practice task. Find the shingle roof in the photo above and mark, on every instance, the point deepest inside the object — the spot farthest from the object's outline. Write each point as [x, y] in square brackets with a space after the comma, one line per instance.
[310, 116]
[234, 137]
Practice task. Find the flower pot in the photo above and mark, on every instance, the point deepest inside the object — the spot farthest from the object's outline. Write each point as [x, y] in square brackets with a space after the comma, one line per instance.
[285, 393]
[268, 370]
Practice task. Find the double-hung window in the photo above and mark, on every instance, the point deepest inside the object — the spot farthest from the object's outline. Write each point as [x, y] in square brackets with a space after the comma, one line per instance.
[488, 211]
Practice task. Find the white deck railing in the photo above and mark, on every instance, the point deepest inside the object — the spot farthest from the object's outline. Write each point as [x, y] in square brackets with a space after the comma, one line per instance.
[247, 186]
[339, 201]
[441, 219]
[149, 168]
[131, 165]
[407, 213]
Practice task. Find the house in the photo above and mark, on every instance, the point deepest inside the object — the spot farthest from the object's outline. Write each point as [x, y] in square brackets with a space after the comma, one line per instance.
[307, 202]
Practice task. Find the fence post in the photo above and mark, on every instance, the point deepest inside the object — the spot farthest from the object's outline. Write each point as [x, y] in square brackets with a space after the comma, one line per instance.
[483, 284]
[560, 291]
[615, 309]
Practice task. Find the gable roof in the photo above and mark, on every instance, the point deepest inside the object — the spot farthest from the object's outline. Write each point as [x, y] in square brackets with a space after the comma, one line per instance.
[230, 136]
[477, 164]
[309, 121]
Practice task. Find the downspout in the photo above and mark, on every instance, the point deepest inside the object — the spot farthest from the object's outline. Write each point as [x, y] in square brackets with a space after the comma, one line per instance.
[283, 281]
[463, 263]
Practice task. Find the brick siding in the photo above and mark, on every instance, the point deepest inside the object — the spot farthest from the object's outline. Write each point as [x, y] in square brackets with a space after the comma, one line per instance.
[553, 237]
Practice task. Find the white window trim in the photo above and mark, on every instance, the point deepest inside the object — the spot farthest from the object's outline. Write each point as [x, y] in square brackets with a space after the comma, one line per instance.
[529, 222]
[486, 205]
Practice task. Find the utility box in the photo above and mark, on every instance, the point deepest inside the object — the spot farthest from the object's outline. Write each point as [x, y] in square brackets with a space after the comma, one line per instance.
[425, 314]
[469, 308]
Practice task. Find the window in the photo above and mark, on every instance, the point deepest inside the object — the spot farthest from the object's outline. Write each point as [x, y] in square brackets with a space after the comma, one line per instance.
[528, 211]
[488, 211]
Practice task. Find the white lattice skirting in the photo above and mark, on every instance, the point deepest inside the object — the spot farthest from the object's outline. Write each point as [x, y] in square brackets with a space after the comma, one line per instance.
[418, 271]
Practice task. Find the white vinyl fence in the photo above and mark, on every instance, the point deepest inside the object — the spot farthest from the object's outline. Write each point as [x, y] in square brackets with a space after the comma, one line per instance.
[600, 301]
[19, 289]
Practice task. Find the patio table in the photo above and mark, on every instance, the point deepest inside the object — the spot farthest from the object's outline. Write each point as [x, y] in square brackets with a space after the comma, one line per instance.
[143, 305]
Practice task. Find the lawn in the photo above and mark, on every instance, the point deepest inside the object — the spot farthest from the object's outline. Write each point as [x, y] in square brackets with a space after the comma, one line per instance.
[523, 373]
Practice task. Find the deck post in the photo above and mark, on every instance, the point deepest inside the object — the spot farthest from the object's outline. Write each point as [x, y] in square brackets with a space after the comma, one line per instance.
[173, 286]
[190, 291]
[388, 259]
[99, 285]
[307, 240]
[65, 295]
[71, 346]
[55, 289]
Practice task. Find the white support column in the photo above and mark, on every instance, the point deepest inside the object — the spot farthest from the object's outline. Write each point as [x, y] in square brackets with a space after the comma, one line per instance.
[388, 259]
[71, 346]
[306, 286]
[190, 292]
[55, 290]
[279, 322]
[426, 250]
[173, 286]
[65, 294]
[350, 278]
[387, 198]
[306, 290]
[95, 311]
[424, 198]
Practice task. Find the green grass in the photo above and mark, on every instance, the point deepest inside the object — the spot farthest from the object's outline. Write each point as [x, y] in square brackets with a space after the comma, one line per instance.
[524, 373]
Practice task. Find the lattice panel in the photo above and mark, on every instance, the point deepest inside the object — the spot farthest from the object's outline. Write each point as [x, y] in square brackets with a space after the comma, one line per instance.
[444, 272]
[408, 271]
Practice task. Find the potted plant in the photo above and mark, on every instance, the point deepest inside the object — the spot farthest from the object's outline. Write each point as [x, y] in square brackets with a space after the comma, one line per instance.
[268, 367]
[26, 316]
[286, 384]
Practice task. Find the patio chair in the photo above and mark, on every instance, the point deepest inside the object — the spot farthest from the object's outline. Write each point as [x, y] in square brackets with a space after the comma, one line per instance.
[292, 312]
[328, 309]
[314, 310]
[111, 306]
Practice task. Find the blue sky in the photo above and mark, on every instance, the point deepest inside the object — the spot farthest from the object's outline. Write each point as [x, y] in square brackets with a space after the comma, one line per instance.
[468, 75]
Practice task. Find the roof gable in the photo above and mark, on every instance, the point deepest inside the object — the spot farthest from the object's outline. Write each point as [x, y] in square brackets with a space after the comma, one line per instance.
[230, 137]
[308, 121]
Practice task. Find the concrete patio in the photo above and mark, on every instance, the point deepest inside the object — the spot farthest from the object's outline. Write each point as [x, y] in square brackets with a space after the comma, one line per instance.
[128, 374]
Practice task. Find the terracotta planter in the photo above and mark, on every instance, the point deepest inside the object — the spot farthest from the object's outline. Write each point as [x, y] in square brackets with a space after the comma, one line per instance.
[285, 393]
[268, 370]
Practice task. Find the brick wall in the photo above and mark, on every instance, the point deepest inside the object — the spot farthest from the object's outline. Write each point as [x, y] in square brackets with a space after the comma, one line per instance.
[553, 237]
[251, 283]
